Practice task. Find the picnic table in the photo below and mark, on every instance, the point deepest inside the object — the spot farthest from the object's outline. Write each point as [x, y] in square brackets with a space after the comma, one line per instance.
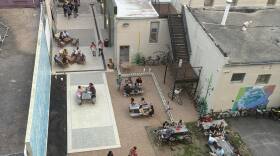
[206, 125]
[228, 149]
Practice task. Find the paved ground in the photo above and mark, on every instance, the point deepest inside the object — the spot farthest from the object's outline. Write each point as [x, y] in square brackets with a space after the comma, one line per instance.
[16, 68]
[90, 126]
[261, 135]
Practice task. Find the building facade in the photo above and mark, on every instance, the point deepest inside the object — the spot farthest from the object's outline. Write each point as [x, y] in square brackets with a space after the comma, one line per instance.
[240, 69]
[135, 28]
[222, 3]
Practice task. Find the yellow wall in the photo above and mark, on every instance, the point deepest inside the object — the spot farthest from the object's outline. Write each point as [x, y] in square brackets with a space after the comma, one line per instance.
[225, 91]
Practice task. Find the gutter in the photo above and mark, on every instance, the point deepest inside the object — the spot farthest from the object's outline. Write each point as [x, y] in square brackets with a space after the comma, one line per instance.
[251, 63]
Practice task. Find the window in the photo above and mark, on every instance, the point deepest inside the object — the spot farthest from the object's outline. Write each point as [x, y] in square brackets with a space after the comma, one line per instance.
[208, 2]
[271, 2]
[263, 78]
[234, 2]
[237, 77]
[154, 32]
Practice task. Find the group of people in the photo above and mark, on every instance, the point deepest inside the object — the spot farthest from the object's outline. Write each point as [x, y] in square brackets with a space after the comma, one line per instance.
[63, 38]
[89, 89]
[76, 57]
[176, 125]
[216, 130]
[130, 87]
[100, 47]
[69, 7]
[142, 103]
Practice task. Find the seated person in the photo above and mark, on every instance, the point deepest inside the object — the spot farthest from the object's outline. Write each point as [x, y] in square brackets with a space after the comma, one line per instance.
[212, 140]
[139, 81]
[152, 111]
[220, 151]
[81, 58]
[221, 126]
[110, 64]
[165, 124]
[129, 81]
[79, 92]
[217, 133]
[127, 90]
[91, 88]
[180, 124]
[132, 101]
[143, 102]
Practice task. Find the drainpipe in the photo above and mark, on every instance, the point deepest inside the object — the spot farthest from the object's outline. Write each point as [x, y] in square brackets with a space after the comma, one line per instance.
[228, 3]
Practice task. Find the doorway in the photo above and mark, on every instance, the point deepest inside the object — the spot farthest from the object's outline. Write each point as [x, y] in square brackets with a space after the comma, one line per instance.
[124, 54]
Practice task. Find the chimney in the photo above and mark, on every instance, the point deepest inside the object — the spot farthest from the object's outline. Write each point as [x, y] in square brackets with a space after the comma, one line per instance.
[228, 3]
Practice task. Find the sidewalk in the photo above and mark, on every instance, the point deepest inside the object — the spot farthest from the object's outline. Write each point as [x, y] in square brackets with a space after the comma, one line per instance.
[89, 126]
[83, 28]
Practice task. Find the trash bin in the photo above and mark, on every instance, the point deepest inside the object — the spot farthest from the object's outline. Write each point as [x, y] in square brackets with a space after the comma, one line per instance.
[106, 43]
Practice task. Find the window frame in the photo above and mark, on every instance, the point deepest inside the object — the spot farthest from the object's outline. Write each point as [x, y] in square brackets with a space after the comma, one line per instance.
[210, 4]
[259, 79]
[237, 81]
[156, 33]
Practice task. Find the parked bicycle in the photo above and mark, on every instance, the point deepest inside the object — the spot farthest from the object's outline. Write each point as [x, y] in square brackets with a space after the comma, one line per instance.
[176, 95]
[152, 61]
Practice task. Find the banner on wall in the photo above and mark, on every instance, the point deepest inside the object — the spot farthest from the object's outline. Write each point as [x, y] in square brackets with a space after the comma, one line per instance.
[252, 97]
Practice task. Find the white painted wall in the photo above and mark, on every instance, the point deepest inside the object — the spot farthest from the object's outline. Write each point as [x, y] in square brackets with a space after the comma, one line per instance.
[205, 54]
[226, 91]
[137, 34]
[219, 3]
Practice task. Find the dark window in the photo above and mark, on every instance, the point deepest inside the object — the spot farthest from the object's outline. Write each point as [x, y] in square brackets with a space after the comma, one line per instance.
[234, 2]
[208, 2]
[271, 2]
[154, 32]
[237, 77]
[263, 79]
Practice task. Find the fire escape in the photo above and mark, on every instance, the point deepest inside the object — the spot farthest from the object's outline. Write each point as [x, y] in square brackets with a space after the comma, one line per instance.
[183, 72]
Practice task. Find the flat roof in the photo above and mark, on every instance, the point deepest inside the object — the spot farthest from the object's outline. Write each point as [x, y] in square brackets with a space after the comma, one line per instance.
[135, 9]
[260, 43]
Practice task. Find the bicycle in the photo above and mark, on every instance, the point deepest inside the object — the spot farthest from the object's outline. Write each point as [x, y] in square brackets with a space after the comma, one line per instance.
[176, 95]
[152, 61]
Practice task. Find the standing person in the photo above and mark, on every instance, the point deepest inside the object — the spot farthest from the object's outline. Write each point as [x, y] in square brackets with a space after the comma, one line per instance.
[93, 48]
[65, 6]
[75, 9]
[133, 151]
[110, 153]
[69, 9]
[100, 47]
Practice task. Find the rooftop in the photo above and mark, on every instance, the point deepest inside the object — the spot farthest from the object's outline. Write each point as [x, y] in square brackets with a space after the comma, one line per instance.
[260, 43]
[135, 9]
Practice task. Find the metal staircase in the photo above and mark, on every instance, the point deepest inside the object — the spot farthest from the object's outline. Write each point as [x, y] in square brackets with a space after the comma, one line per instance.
[178, 38]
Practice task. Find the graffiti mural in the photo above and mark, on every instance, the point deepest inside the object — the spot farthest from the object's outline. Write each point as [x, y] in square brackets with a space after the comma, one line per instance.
[251, 97]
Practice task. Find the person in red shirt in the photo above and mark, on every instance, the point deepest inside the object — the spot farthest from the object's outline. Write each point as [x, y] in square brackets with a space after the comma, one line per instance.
[133, 151]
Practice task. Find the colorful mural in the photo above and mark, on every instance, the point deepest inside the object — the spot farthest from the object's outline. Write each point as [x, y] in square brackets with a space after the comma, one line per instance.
[251, 97]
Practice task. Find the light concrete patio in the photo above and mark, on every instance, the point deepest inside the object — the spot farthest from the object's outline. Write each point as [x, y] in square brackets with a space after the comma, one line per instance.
[90, 126]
